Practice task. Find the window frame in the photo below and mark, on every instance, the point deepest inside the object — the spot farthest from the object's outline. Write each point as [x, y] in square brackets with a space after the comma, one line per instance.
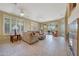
[11, 20]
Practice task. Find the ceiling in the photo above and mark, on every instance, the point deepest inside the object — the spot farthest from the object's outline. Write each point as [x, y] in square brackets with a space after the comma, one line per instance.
[41, 12]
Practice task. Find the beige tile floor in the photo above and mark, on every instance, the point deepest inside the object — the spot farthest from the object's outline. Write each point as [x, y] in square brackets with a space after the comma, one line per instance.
[50, 46]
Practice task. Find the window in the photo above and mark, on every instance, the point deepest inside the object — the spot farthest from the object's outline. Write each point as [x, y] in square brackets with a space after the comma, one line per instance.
[13, 23]
[34, 26]
[20, 26]
[62, 29]
[9, 24]
[52, 27]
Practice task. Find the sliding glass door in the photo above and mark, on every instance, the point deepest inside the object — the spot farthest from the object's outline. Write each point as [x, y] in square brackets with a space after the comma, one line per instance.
[73, 36]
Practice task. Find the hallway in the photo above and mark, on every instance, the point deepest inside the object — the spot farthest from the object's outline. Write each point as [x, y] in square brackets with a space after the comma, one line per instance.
[51, 46]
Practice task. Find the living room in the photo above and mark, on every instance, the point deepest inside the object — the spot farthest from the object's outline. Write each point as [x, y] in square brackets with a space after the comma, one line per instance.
[34, 32]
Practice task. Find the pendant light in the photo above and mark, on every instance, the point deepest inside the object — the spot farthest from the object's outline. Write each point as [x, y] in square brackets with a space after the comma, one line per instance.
[21, 12]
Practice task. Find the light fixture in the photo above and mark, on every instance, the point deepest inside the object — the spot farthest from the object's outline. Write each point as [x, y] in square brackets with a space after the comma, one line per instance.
[21, 12]
[20, 7]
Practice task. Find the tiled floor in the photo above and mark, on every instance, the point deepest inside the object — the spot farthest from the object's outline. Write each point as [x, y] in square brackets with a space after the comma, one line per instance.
[50, 46]
[74, 45]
